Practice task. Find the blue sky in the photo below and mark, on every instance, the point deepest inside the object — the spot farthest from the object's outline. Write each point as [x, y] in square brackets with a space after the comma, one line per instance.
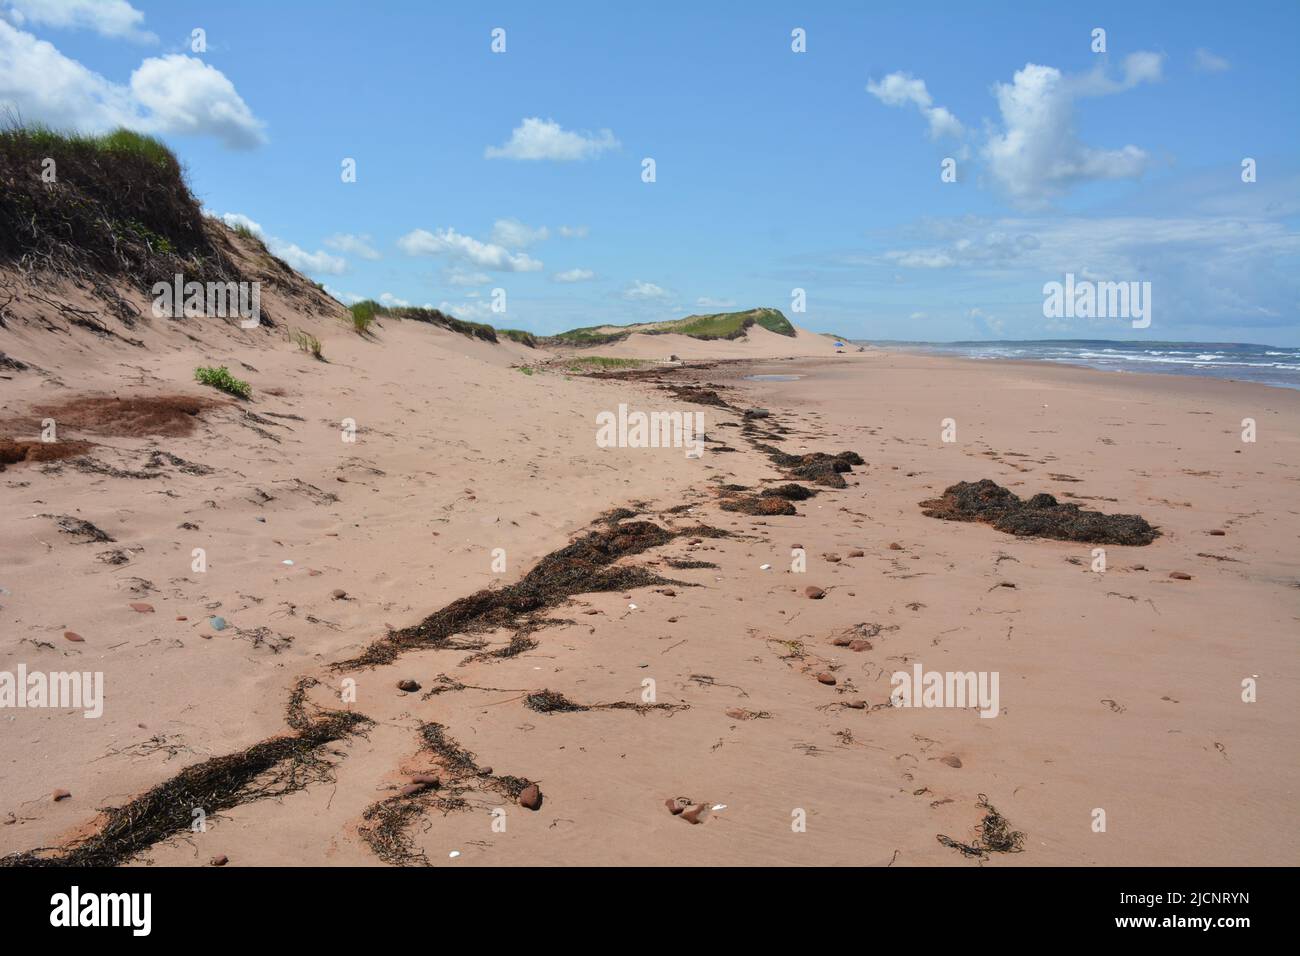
[775, 170]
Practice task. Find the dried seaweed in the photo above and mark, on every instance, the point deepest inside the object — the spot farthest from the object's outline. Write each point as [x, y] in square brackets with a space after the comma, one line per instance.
[1041, 516]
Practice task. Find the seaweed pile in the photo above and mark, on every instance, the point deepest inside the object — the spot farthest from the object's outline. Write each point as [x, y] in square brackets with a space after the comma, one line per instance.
[270, 768]
[995, 835]
[553, 702]
[579, 568]
[1042, 516]
[818, 467]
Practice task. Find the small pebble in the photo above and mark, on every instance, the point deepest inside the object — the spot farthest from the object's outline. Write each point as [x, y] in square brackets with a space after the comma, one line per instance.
[530, 798]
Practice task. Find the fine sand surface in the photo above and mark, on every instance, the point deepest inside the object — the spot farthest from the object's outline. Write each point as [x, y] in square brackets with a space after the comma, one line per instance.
[1119, 690]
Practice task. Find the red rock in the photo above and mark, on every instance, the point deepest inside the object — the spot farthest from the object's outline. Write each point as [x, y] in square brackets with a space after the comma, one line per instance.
[856, 704]
[832, 558]
[674, 806]
[797, 546]
[859, 645]
[411, 789]
[857, 554]
[1218, 533]
[181, 617]
[695, 815]
[1180, 576]
[825, 678]
[221, 860]
[815, 593]
[426, 779]
[737, 713]
[408, 685]
[895, 546]
[668, 592]
[841, 640]
[672, 620]
[60, 795]
[952, 760]
[530, 798]
[338, 594]
[73, 636]
[142, 607]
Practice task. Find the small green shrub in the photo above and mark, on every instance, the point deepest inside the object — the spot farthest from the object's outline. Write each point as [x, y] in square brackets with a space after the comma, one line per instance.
[222, 379]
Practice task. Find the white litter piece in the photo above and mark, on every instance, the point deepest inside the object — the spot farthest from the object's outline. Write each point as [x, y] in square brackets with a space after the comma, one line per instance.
[719, 806]
[631, 607]
[286, 561]
[765, 567]
[453, 854]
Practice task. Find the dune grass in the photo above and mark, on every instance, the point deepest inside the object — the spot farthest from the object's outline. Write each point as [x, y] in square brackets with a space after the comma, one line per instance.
[118, 203]
[310, 344]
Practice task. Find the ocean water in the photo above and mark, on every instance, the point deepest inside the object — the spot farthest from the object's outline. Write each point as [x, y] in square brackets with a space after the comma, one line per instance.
[1265, 364]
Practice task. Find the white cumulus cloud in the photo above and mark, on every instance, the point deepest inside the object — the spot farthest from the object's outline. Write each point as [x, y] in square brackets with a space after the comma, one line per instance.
[171, 94]
[536, 138]
[640, 291]
[116, 19]
[1036, 155]
[903, 89]
[449, 242]
[575, 275]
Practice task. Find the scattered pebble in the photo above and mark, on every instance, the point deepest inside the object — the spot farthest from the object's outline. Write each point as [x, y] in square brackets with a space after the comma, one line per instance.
[141, 607]
[858, 645]
[952, 760]
[1180, 576]
[857, 553]
[218, 623]
[856, 704]
[61, 795]
[221, 860]
[408, 685]
[895, 546]
[73, 636]
[338, 594]
[815, 593]
[427, 779]
[826, 678]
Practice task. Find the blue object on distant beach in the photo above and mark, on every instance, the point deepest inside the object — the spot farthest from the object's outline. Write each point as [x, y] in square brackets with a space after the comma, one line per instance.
[839, 345]
[218, 623]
